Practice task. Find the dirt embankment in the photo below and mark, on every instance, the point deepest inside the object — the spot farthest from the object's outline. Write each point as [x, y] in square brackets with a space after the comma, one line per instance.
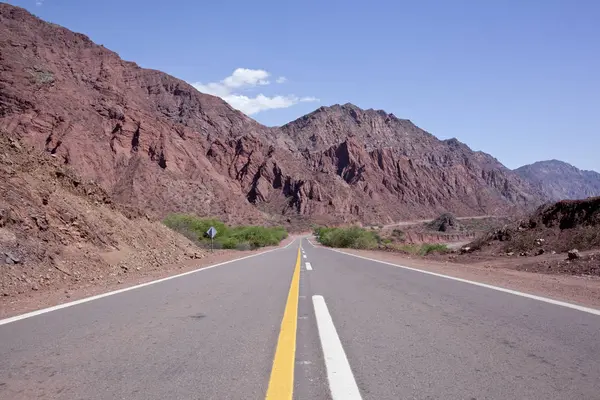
[59, 231]
[65, 291]
[446, 229]
[63, 238]
[562, 238]
[559, 227]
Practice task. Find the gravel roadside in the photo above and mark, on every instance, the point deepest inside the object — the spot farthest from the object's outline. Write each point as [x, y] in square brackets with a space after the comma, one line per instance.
[583, 290]
[59, 294]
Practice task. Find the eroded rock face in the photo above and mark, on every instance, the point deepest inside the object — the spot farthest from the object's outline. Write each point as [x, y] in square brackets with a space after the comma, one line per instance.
[154, 142]
[403, 169]
[141, 134]
[568, 214]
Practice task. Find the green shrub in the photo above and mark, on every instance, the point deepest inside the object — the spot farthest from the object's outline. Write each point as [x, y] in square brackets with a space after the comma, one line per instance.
[353, 237]
[237, 237]
[422, 250]
[398, 235]
[228, 243]
[432, 248]
[40, 76]
[194, 224]
[360, 238]
[258, 236]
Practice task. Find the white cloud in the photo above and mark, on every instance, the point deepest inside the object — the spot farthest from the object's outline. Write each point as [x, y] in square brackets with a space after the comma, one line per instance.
[244, 79]
[39, 2]
[253, 105]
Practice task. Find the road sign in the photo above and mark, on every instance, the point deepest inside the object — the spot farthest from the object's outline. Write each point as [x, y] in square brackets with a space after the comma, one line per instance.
[211, 232]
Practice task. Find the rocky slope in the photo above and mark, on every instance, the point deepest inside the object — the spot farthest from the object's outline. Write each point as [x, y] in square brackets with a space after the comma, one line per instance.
[403, 170]
[140, 134]
[559, 227]
[59, 229]
[154, 142]
[557, 180]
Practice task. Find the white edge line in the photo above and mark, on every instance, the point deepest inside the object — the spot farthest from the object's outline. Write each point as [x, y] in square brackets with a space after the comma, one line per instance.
[99, 296]
[339, 374]
[485, 285]
[308, 266]
[284, 247]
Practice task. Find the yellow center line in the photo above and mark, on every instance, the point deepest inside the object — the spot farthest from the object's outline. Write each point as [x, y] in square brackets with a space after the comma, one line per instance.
[281, 383]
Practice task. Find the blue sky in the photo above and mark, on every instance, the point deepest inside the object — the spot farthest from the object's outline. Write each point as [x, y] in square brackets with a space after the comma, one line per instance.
[517, 79]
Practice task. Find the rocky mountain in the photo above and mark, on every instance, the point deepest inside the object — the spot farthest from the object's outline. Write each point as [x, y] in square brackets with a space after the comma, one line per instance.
[557, 180]
[148, 138]
[402, 169]
[154, 142]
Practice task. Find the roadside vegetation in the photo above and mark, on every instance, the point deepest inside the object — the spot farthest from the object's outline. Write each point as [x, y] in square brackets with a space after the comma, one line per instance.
[228, 237]
[353, 237]
[420, 249]
[365, 239]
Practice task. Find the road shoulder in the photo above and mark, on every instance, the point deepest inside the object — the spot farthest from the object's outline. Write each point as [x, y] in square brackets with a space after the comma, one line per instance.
[580, 290]
[52, 296]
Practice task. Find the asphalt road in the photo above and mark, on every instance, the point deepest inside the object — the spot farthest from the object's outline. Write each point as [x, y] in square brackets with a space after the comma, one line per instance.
[362, 329]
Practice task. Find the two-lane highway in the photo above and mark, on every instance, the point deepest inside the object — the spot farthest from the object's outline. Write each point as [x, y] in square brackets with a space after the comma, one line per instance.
[207, 335]
[309, 320]
[411, 335]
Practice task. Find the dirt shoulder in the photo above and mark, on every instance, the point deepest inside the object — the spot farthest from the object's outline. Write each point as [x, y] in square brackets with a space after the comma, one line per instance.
[583, 290]
[71, 290]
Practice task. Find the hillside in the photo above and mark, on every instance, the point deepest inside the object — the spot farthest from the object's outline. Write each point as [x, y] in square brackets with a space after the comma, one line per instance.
[402, 167]
[59, 229]
[557, 180]
[555, 227]
[152, 141]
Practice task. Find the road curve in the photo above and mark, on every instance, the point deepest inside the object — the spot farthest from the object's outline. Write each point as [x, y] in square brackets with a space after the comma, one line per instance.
[356, 329]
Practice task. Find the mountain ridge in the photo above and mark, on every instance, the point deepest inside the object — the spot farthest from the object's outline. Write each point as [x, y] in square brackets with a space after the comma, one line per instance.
[153, 141]
[559, 180]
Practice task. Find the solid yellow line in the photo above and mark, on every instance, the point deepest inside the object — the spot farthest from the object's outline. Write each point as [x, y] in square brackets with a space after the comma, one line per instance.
[281, 383]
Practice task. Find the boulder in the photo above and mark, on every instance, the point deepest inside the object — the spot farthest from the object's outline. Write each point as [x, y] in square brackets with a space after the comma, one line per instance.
[11, 258]
[573, 254]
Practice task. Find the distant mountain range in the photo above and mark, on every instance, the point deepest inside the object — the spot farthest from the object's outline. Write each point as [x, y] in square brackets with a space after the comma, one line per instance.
[154, 142]
[557, 180]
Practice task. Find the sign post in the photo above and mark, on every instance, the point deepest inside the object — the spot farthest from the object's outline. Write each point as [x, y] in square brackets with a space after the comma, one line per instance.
[211, 232]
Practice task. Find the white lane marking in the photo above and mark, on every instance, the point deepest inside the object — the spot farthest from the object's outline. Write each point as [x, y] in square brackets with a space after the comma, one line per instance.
[99, 296]
[304, 256]
[341, 380]
[484, 285]
[308, 266]
[284, 247]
